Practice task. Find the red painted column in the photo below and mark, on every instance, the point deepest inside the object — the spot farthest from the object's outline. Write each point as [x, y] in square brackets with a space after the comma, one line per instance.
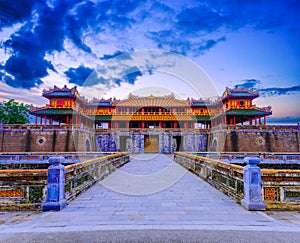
[250, 122]
[51, 121]
[41, 120]
[127, 124]
[76, 122]
[234, 120]
[186, 125]
[265, 120]
[160, 124]
[143, 124]
[175, 124]
[45, 120]
[36, 120]
[67, 119]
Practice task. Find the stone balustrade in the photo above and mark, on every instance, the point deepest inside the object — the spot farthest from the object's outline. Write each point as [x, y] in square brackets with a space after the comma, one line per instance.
[226, 177]
[280, 189]
[26, 189]
[80, 176]
[22, 189]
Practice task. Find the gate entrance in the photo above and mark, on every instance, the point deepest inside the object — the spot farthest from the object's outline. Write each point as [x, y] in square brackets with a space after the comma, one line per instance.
[177, 144]
[151, 144]
[124, 143]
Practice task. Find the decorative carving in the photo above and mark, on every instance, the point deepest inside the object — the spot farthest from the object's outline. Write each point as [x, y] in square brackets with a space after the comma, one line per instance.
[12, 193]
[270, 193]
[40, 140]
[260, 141]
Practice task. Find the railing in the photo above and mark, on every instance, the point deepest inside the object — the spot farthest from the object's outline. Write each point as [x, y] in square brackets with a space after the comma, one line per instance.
[281, 189]
[22, 189]
[25, 189]
[225, 177]
[8, 127]
[47, 106]
[185, 130]
[240, 156]
[80, 176]
[260, 127]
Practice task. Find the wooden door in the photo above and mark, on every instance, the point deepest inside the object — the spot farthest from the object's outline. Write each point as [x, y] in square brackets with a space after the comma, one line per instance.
[151, 144]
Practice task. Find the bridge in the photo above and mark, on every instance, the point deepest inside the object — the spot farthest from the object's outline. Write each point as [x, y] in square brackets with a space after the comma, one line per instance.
[152, 199]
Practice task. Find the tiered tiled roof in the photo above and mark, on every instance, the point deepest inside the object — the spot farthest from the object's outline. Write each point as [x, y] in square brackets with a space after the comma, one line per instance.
[102, 102]
[200, 103]
[61, 92]
[152, 101]
[239, 93]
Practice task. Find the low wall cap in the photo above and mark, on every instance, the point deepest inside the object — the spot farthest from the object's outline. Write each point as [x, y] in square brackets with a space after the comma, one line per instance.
[56, 159]
[252, 160]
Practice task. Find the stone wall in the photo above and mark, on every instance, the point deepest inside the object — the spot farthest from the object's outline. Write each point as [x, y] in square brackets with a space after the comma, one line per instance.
[231, 140]
[254, 141]
[46, 140]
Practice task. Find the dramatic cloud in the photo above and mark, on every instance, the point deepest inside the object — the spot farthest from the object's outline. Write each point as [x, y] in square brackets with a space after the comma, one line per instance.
[275, 91]
[248, 84]
[109, 75]
[253, 84]
[191, 29]
[15, 11]
[46, 28]
[132, 74]
[120, 55]
[78, 75]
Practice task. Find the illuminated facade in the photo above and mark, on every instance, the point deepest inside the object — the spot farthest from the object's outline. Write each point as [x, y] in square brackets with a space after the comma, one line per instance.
[137, 123]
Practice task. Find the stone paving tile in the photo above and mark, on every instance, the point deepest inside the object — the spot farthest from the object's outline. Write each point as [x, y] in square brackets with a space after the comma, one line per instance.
[186, 203]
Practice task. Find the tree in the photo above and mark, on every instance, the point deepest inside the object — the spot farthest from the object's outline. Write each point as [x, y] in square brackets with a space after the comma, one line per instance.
[12, 112]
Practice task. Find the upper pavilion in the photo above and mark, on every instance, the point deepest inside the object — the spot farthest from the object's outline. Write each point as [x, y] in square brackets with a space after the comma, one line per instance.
[234, 107]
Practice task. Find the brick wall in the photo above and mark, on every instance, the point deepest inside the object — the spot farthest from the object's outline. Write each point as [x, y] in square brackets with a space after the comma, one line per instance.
[256, 141]
[45, 141]
[221, 140]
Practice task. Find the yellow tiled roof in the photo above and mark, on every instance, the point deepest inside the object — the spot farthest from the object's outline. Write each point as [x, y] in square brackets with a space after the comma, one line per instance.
[152, 101]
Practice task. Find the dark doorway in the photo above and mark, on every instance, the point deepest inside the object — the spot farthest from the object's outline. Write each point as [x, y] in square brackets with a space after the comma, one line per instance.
[177, 144]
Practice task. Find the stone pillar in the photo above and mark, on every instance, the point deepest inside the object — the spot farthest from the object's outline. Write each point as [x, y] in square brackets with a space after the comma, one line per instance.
[55, 199]
[252, 185]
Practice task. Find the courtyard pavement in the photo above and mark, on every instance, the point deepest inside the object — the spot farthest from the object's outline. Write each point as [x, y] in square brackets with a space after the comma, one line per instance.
[151, 199]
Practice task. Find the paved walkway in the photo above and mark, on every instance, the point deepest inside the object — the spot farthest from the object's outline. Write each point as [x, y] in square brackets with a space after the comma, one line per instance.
[149, 194]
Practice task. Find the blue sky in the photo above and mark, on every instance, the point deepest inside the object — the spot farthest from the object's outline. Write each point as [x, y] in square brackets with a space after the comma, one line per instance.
[253, 44]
